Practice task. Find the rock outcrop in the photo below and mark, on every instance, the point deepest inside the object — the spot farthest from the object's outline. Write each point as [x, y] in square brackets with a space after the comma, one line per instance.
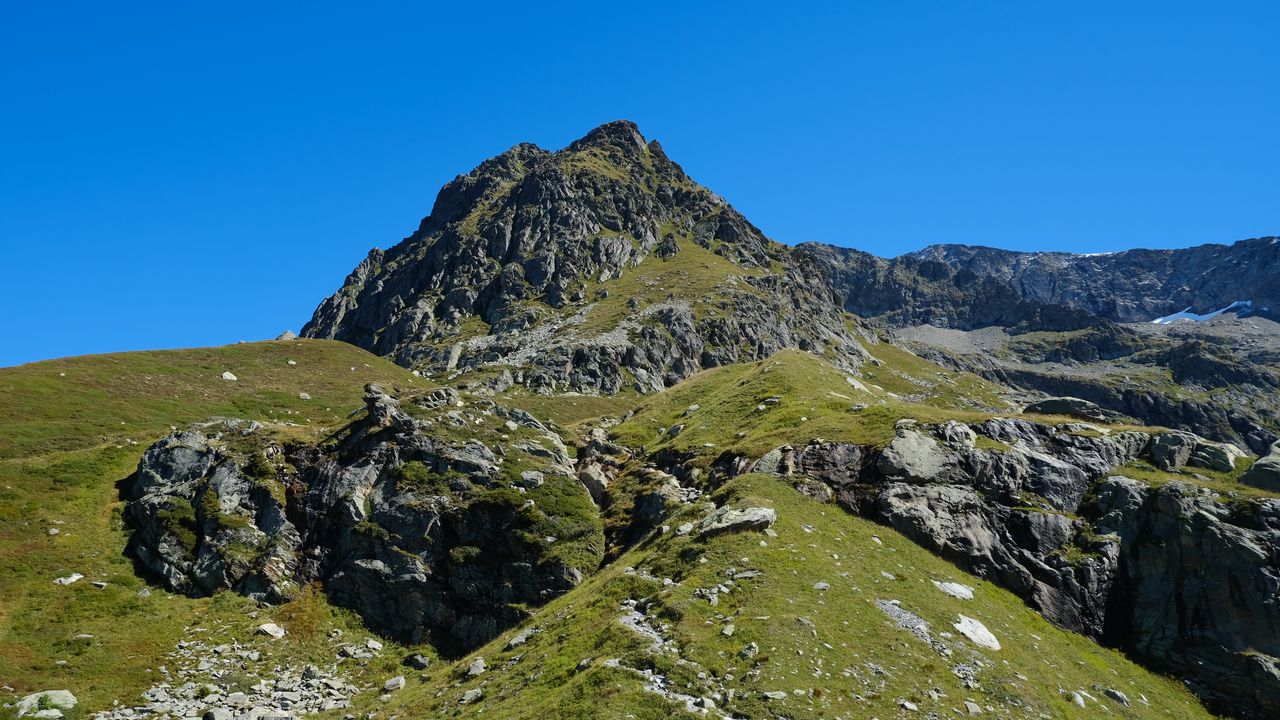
[523, 246]
[427, 526]
[1173, 574]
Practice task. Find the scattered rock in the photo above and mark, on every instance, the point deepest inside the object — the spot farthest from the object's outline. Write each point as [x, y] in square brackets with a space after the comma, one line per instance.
[418, 662]
[271, 629]
[477, 667]
[229, 376]
[976, 632]
[728, 519]
[957, 590]
[394, 684]
[69, 579]
[46, 700]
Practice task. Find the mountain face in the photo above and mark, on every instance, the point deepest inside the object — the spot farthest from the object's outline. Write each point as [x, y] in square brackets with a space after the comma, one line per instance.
[522, 248]
[603, 267]
[634, 459]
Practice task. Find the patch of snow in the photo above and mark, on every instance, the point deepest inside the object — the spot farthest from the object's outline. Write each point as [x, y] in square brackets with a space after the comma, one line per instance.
[1097, 254]
[1196, 317]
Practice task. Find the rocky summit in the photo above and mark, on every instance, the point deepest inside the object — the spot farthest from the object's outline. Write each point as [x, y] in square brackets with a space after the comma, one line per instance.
[587, 444]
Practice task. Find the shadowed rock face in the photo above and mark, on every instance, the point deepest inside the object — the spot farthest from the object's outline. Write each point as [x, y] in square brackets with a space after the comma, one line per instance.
[424, 535]
[515, 243]
[1172, 574]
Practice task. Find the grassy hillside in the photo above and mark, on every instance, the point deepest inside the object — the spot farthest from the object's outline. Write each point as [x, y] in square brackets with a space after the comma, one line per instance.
[830, 652]
[833, 652]
[794, 396]
[70, 430]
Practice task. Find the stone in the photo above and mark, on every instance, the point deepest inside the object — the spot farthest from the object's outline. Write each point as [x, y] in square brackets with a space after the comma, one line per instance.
[69, 579]
[1071, 406]
[1172, 450]
[472, 695]
[727, 519]
[1118, 696]
[775, 695]
[477, 667]
[304, 396]
[417, 661]
[976, 632]
[271, 630]
[821, 586]
[956, 590]
[218, 713]
[1221, 457]
[1265, 472]
[972, 707]
[47, 699]
[229, 376]
[394, 684]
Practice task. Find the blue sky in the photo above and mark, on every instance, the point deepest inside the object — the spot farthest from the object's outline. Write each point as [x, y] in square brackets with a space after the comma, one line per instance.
[175, 175]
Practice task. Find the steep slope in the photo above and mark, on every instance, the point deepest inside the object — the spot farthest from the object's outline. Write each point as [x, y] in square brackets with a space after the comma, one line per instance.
[560, 268]
[603, 268]
[823, 615]
[70, 431]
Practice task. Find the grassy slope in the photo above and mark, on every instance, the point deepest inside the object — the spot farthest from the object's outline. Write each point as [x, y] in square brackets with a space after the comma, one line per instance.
[63, 451]
[67, 429]
[825, 661]
[816, 400]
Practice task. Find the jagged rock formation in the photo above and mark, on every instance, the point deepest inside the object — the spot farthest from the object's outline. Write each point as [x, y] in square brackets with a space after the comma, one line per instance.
[967, 287]
[426, 526]
[523, 243]
[1172, 573]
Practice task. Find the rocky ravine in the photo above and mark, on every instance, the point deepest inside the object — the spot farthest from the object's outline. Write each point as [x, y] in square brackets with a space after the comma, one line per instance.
[1187, 582]
[435, 527]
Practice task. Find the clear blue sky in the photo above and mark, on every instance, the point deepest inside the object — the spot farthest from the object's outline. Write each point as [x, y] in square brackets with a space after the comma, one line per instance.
[175, 175]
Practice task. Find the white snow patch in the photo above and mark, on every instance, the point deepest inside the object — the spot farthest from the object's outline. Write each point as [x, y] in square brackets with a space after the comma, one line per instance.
[1196, 317]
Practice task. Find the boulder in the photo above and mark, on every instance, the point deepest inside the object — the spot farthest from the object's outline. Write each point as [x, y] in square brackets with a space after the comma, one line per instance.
[1265, 473]
[1171, 450]
[1070, 406]
[976, 632]
[1216, 456]
[45, 700]
[727, 519]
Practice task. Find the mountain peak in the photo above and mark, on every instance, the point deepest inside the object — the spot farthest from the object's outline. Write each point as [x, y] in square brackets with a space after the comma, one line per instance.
[622, 134]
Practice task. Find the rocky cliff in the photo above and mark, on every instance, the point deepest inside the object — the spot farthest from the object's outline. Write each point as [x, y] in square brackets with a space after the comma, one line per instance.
[512, 270]
[443, 526]
[1174, 573]
[967, 287]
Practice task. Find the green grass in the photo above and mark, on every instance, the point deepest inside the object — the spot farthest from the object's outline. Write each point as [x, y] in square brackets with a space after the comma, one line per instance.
[814, 642]
[79, 402]
[694, 274]
[1225, 483]
[68, 430]
[814, 400]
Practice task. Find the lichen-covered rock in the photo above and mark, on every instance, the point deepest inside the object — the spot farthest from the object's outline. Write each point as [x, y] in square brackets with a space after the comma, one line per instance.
[729, 519]
[425, 534]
